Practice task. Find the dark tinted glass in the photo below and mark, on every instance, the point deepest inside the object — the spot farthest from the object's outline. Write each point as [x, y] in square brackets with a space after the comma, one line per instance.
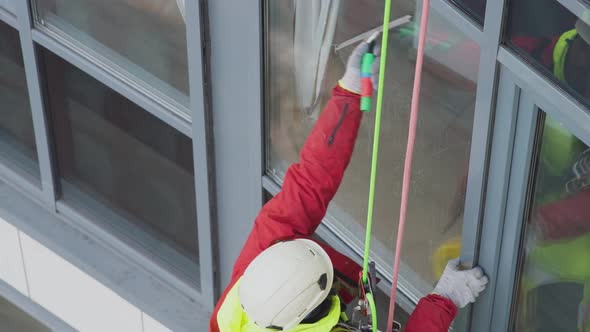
[555, 40]
[17, 138]
[474, 8]
[120, 162]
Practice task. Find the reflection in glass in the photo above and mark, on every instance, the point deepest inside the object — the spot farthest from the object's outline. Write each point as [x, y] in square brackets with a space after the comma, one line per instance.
[554, 290]
[555, 40]
[144, 37]
[121, 163]
[302, 69]
[17, 138]
[475, 8]
[13, 318]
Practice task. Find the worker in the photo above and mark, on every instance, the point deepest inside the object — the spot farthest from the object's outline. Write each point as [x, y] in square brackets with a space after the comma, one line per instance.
[283, 280]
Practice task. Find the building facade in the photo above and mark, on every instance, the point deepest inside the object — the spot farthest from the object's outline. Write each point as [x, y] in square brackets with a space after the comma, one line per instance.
[139, 139]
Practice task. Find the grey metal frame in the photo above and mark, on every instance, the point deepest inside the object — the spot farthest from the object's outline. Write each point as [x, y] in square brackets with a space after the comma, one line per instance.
[202, 150]
[37, 104]
[516, 201]
[8, 17]
[235, 51]
[491, 232]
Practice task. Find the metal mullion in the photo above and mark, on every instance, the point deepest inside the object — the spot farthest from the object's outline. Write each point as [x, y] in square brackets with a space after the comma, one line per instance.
[32, 72]
[546, 94]
[108, 76]
[235, 48]
[514, 220]
[496, 193]
[459, 19]
[202, 152]
[482, 128]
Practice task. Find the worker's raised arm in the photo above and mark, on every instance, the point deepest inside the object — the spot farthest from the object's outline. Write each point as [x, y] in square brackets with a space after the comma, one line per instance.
[309, 186]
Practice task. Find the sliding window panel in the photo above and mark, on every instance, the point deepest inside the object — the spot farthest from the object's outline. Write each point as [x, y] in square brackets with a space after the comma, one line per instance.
[17, 137]
[143, 38]
[547, 34]
[301, 68]
[123, 167]
[553, 283]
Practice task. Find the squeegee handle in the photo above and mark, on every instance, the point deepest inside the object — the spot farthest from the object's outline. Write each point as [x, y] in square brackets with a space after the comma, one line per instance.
[366, 82]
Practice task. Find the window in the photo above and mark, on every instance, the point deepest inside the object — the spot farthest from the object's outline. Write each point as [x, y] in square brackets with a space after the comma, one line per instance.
[474, 8]
[553, 293]
[146, 38]
[301, 69]
[13, 318]
[17, 138]
[550, 36]
[122, 165]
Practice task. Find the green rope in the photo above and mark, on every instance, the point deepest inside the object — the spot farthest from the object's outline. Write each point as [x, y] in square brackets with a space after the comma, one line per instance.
[384, 40]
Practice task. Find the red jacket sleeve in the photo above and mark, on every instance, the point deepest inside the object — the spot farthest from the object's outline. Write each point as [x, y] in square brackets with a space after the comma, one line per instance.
[309, 186]
[433, 313]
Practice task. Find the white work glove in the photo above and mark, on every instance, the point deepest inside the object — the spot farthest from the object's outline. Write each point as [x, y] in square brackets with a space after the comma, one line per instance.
[351, 80]
[461, 287]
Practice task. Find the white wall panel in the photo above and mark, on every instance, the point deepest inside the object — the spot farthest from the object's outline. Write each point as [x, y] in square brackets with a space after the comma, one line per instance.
[73, 296]
[152, 325]
[11, 264]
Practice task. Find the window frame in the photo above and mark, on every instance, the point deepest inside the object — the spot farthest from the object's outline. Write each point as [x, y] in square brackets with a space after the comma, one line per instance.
[535, 95]
[194, 123]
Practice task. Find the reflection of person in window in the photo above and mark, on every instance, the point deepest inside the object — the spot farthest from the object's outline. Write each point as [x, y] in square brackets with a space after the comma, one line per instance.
[566, 55]
[282, 280]
[558, 260]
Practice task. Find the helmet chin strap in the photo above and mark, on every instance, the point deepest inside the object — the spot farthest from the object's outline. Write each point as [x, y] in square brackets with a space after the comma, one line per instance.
[321, 311]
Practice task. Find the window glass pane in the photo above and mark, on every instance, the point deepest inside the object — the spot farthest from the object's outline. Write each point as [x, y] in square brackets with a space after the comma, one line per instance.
[554, 292]
[302, 69]
[551, 37]
[17, 138]
[13, 318]
[474, 8]
[122, 164]
[144, 37]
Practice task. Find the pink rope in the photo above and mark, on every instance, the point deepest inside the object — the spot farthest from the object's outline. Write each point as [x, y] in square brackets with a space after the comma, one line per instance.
[408, 160]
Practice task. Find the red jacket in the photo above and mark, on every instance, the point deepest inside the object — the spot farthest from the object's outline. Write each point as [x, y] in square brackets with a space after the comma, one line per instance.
[308, 188]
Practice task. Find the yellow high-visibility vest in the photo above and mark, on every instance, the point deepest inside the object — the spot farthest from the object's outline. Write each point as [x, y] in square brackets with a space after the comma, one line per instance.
[232, 318]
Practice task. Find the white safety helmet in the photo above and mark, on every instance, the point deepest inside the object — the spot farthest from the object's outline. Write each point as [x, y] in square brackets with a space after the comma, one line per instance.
[284, 283]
